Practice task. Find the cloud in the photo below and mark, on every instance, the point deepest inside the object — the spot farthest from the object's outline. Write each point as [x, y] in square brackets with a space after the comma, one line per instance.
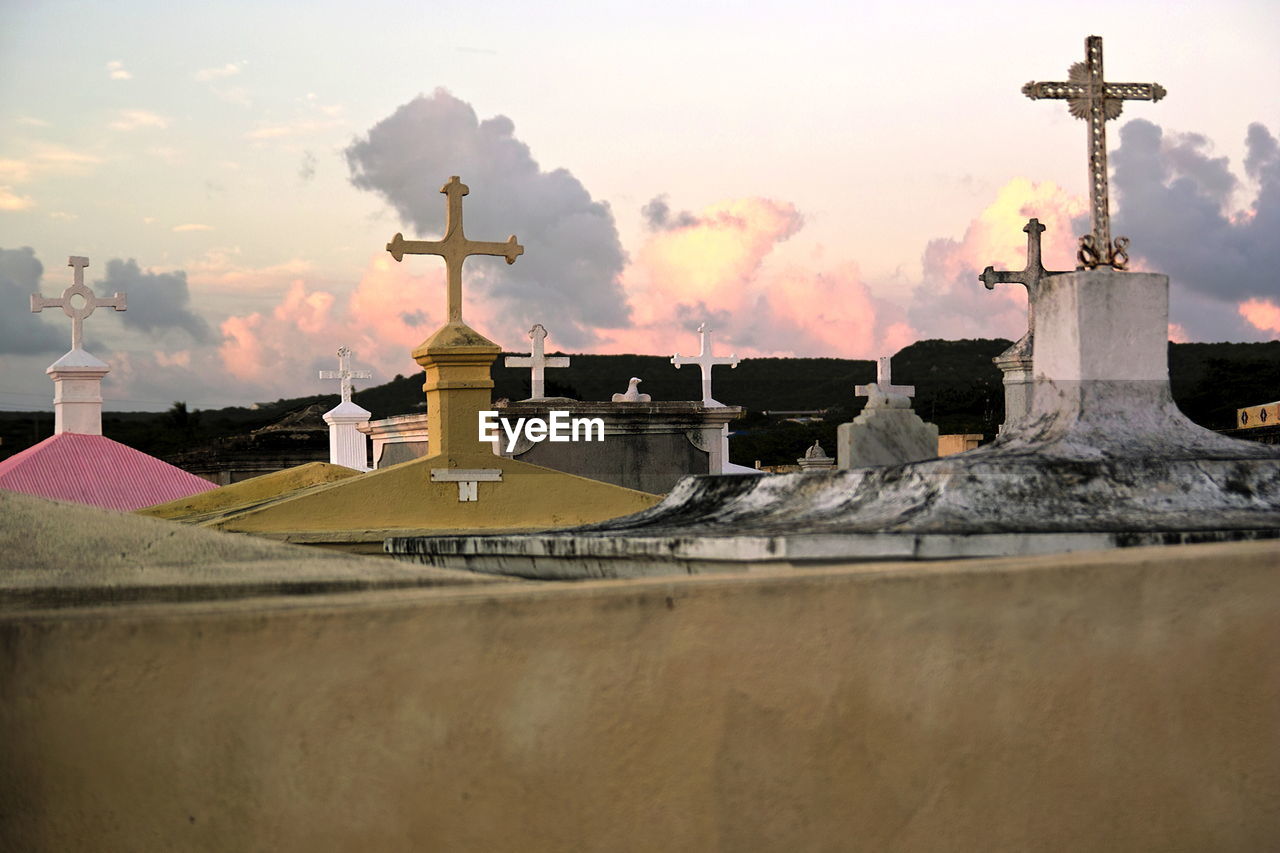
[9, 200]
[31, 121]
[573, 259]
[716, 266]
[116, 71]
[950, 302]
[192, 226]
[1262, 314]
[1175, 200]
[135, 119]
[204, 75]
[307, 170]
[157, 301]
[20, 332]
[657, 215]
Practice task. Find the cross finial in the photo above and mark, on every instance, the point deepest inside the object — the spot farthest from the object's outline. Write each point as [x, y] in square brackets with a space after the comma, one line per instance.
[537, 361]
[77, 312]
[1030, 277]
[705, 361]
[455, 248]
[344, 373]
[879, 392]
[1090, 97]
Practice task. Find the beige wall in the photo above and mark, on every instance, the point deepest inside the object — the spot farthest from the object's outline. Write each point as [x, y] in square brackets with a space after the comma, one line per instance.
[1127, 701]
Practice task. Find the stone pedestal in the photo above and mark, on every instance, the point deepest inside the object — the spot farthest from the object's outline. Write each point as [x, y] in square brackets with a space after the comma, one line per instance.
[887, 432]
[347, 444]
[647, 446]
[1019, 377]
[77, 393]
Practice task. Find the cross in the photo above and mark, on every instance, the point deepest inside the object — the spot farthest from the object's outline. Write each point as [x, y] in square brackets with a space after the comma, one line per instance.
[883, 387]
[705, 360]
[537, 361]
[1029, 277]
[77, 313]
[455, 247]
[1089, 97]
[345, 373]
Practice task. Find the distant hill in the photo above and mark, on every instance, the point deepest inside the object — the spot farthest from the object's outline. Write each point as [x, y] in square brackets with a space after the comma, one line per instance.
[957, 388]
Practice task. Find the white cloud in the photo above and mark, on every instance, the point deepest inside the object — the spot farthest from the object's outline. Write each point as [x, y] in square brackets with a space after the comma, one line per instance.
[32, 121]
[191, 226]
[116, 70]
[134, 119]
[297, 128]
[63, 216]
[206, 74]
[11, 201]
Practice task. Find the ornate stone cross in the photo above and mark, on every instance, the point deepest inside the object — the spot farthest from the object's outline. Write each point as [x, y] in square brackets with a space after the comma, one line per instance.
[67, 302]
[1090, 97]
[455, 247]
[883, 387]
[705, 361]
[345, 373]
[1030, 277]
[537, 361]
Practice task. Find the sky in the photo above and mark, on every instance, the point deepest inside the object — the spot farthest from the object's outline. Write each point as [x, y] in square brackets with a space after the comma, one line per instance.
[809, 178]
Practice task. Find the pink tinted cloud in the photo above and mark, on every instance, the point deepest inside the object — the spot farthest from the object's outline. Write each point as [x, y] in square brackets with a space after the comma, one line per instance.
[1262, 314]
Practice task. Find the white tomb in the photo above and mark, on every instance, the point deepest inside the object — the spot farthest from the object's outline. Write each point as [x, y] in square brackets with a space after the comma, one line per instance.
[77, 376]
[887, 432]
[705, 360]
[537, 362]
[348, 446]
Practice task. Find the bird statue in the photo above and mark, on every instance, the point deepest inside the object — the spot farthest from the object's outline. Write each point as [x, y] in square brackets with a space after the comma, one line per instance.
[633, 394]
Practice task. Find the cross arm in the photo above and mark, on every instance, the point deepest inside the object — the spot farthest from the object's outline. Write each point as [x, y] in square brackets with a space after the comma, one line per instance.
[991, 277]
[509, 250]
[399, 247]
[1135, 91]
[39, 303]
[1035, 91]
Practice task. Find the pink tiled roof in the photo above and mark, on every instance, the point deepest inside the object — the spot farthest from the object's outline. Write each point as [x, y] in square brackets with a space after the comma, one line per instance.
[94, 470]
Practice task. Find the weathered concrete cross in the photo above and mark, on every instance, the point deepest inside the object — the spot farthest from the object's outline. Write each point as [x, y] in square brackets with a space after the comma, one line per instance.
[1090, 97]
[1030, 277]
[705, 361]
[67, 302]
[537, 361]
[883, 387]
[345, 373]
[455, 247]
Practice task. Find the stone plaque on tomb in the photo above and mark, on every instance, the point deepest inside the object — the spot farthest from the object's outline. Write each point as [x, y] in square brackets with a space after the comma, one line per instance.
[887, 432]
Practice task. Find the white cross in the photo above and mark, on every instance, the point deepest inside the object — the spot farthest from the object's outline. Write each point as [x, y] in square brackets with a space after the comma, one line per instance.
[77, 313]
[883, 386]
[705, 360]
[345, 373]
[537, 361]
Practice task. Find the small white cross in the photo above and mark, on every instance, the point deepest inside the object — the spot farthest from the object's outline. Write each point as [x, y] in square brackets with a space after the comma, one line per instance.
[345, 373]
[883, 386]
[537, 361]
[705, 360]
[77, 313]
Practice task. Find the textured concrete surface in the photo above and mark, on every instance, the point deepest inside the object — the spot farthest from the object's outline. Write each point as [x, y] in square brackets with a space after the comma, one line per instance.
[60, 555]
[251, 492]
[1118, 701]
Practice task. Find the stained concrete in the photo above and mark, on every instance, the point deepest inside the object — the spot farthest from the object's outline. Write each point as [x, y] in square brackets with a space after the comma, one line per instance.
[55, 554]
[1116, 701]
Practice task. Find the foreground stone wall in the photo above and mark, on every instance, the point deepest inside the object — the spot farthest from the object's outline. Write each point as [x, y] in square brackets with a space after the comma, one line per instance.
[1120, 701]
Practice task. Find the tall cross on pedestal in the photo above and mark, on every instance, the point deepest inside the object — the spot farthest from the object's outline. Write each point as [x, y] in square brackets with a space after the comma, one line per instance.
[705, 361]
[883, 387]
[345, 373]
[1090, 97]
[455, 247]
[537, 361]
[67, 302]
[1030, 277]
